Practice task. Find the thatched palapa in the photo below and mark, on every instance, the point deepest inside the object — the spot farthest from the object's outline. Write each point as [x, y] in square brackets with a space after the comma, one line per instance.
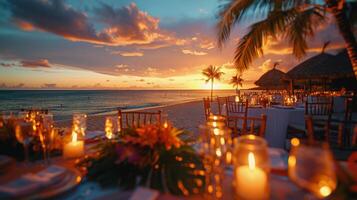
[323, 66]
[272, 80]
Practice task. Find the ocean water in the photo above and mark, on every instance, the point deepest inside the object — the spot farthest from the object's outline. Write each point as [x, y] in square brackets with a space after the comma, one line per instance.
[62, 103]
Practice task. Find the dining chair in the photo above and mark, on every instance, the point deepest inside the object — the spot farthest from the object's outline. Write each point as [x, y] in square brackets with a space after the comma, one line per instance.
[221, 101]
[242, 125]
[349, 103]
[207, 107]
[343, 135]
[129, 119]
[354, 137]
[319, 110]
[237, 108]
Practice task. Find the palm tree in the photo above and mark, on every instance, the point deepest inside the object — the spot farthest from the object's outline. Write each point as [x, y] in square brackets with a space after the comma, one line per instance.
[211, 73]
[236, 81]
[290, 20]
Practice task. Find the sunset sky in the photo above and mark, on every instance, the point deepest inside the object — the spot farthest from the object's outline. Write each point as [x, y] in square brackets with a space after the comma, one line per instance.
[122, 44]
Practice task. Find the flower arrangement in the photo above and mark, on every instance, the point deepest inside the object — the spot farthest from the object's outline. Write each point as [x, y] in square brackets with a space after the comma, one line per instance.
[153, 156]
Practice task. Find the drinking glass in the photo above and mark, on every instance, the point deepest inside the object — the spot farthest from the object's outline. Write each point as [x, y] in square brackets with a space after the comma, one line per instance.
[23, 136]
[312, 168]
[45, 134]
[251, 168]
[214, 148]
[80, 123]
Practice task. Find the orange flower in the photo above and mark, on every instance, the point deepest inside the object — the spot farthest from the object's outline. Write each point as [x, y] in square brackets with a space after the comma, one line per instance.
[151, 135]
[169, 137]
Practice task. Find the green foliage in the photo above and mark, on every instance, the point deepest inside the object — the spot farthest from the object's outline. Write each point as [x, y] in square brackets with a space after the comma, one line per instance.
[165, 169]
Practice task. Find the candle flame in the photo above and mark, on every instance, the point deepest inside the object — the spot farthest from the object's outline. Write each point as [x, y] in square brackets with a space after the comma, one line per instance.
[215, 117]
[74, 136]
[216, 131]
[325, 191]
[251, 160]
[214, 124]
[166, 125]
[237, 99]
[295, 142]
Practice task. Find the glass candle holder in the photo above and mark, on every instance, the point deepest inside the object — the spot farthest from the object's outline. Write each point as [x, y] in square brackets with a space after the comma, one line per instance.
[312, 167]
[215, 149]
[80, 123]
[251, 168]
[216, 121]
[165, 120]
[109, 127]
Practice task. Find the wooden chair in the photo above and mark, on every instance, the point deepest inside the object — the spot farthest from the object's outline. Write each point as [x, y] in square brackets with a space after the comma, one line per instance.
[319, 109]
[138, 118]
[220, 104]
[207, 107]
[349, 103]
[237, 108]
[354, 137]
[242, 125]
[343, 135]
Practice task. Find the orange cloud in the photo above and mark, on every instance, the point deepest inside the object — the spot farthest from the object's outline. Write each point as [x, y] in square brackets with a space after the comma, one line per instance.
[128, 54]
[194, 53]
[123, 26]
[35, 63]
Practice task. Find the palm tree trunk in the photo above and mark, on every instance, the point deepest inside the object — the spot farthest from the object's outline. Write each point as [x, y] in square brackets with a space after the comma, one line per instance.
[211, 90]
[340, 15]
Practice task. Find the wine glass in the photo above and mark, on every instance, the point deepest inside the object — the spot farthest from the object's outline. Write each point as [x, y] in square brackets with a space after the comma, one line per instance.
[45, 135]
[312, 168]
[22, 134]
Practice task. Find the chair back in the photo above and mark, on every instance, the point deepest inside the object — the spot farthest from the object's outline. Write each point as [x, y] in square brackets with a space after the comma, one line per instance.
[354, 137]
[207, 107]
[138, 118]
[234, 107]
[349, 103]
[319, 108]
[343, 135]
[220, 102]
[319, 99]
[242, 125]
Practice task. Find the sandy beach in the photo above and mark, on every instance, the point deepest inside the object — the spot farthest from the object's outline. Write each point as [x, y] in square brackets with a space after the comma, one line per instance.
[188, 116]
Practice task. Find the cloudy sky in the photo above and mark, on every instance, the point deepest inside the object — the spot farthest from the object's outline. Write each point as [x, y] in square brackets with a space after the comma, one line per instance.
[111, 44]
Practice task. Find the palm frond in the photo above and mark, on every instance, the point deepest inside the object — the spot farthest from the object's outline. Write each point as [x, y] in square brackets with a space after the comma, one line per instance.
[233, 11]
[302, 27]
[251, 45]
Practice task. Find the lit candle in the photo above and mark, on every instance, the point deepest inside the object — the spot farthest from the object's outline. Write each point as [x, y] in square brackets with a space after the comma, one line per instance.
[119, 124]
[251, 181]
[109, 128]
[237, 99]
[74, 148]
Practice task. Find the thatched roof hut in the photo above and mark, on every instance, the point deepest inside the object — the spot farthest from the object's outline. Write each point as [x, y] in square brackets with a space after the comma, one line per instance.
[323, 66]
[272, 80]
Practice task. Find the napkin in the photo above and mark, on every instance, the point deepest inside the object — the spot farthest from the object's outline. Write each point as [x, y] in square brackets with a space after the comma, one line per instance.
[19, 187]
[31, 182]
[49, 175]
[144, 194]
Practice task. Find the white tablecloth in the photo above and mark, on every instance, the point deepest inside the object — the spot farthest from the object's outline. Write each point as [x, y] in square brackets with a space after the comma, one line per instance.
[277, 123]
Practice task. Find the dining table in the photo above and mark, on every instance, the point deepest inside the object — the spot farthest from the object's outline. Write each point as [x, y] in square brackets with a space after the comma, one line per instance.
[281, 187]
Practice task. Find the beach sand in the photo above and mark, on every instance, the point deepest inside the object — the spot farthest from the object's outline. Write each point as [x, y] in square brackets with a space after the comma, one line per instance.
[186, 116]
